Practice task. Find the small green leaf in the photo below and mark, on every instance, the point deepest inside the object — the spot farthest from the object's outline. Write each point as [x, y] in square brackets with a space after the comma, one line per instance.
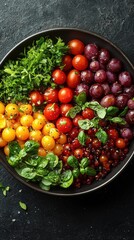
[84, 162]
[112, 110]
[23, 205]
[73, 111]
[94, 105]
[81, 98]
[102, 135]
[76, 172]
[118, 120]
[72, 161]
[90, 171]
[85, 124]
[124, 112]
[82, 138]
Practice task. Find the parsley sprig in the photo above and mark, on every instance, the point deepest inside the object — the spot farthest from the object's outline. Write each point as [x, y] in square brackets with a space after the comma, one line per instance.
[32, 70]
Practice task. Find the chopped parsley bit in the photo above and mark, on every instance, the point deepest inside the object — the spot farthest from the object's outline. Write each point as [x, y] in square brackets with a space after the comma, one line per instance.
[4, 189]
[31, 70]
[23, 205]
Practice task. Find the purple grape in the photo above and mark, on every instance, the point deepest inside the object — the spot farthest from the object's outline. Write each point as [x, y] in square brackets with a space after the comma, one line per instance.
[82, 88]
[127, 133]
[94, 66]
[125, 79]
[104, 56]
[111, 77]
[87, 76]
[130, 104]
[108, 100]
[129, 91]
[100, 76]
[96, 90]
[91, 51]
[106, 88]
[130, 117]
[121, 100]
[116, 88]
[114, 65]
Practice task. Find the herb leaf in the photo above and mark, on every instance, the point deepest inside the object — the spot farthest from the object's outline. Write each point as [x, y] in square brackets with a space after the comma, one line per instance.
[23, 205]
[73, 111]
[123, 113]
[118, 120]
[82, 138]
[94, 105]
[102, 135]
[112, 110]
[81, 98]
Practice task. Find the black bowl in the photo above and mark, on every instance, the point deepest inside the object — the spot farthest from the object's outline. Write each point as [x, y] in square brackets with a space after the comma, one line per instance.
[67, 34]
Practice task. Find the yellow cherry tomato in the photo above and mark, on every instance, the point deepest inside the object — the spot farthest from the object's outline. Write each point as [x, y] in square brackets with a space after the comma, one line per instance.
[3, 123]
[58, 149]
[22, 133]
[8, 134]
[26, 120]
[12, 111]
[41, 152]
[47, 127]
[54, 133]
[6, 150]
[3, 143]
[25, 109]
[2, 108]
[39, 115]
[35, 135]
[37, 124]
[62, 139]
[48, 143]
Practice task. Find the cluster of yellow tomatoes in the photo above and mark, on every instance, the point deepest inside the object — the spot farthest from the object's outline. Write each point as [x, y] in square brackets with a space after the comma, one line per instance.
[19, 122]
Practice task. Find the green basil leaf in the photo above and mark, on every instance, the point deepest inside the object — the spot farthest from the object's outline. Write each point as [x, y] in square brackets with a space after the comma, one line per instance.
[81, 98]
[112, 110]
[94, 105]
[90, 171]
[52, 160]
[72, 161]
[73, 111]
[85, 124]
[66, 179]
[102, 135]
[82, 138]
[14, 148]
[54, 177]
[76, 172]
[27, 173]
[84, 162]
[124, 112]
[44, 187]
[118, 120]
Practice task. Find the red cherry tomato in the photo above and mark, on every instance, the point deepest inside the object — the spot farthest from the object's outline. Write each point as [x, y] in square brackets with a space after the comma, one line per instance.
[67, 62]
[113, 134]
[65, 95]
[80, 62]
[36, 98]
[73, 78]
[59, 76]
[88, 113]
[76, 46]
[120, 143]
[51, 111]
[64, 108]
[64, 124]
[51, 95]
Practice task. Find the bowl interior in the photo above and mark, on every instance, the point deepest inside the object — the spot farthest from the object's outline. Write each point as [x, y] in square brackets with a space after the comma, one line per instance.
[86, 37]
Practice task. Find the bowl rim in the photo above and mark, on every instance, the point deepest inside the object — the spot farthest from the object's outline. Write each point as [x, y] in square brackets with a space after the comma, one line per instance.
[129, 158]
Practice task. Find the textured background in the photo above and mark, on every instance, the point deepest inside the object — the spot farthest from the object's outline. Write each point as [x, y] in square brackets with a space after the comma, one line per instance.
[105, 215]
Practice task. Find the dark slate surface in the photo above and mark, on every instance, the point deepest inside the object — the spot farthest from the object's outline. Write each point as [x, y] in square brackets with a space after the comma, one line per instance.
[107, 214]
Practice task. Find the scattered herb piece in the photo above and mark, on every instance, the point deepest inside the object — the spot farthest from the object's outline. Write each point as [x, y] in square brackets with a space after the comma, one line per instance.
[82, 138]
[23, 205]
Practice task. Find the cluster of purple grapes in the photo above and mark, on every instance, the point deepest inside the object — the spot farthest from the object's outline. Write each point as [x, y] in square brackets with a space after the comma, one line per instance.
[107, 82]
